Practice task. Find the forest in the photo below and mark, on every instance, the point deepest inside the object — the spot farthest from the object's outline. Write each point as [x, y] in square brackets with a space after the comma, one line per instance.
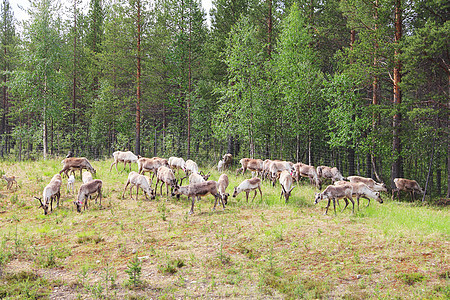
[360, 85]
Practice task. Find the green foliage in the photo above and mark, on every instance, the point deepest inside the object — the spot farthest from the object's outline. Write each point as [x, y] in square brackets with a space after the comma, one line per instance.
[134, 271]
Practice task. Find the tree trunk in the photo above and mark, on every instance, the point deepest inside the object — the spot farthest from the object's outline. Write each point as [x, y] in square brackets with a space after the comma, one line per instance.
[189, 88]
[396, 144]
[269, 28]
[137, 147]
[74, 90]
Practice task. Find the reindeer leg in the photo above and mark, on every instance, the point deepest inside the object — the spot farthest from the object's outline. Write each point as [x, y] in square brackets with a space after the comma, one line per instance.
[137, 191]
[256, 192]
[100, 194]
[192, 206]
[246, 194]
[353, 203]
[367, 202]
[334, 206]
[123, 194]
[259, 188]
[346, 203]
[328, 205]
[131, 191]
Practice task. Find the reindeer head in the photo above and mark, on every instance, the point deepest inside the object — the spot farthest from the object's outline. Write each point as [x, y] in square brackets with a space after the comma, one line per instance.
[235, 193]
[205, 176]
[318, 197]
[78, 204]
[43, 206]
[225, 198]
[378, 197]
[288, 193]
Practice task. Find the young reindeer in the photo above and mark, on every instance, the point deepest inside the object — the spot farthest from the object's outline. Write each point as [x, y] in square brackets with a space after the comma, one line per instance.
[70, 183]
[247, 186]
[51, 192]
[333, 192]
[198, 190]
[86, 189]
[359, 190]
[286, 182]
[10, 181]
[140, 181]
[166, 176]
[222, 185]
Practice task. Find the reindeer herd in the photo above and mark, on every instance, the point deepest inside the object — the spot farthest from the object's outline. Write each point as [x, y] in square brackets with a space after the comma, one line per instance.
[167, 172]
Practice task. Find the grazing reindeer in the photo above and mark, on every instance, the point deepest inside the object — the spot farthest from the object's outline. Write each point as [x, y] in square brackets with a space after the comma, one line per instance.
[372, 184]
[10, 181]
[51, 192]
[198, 190]
[286, 182]
[330, 173]
[191, 167]
[86, 189]
[359, 190]
[407, 185]
[76, 163]
[166, 176]
[254, 165]
[177, 163]
[222, 185]
[304, 170]
[333, 192]
[140, 181]
[151, 165]
[247, 186]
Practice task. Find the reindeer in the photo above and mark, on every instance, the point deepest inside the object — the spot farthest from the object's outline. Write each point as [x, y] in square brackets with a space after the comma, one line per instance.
[10, 181]
[76, 163]
[254, 165]
[247, 186]
[304, 170]
[227, 161]
[407, 185]
[330, 173]
[286, 182]
[126, 157]
[51, 192]
[372, 184]
[151, 165]
[140, 181]
[166, 176]
[333, 192]
[277, 166]
[86, 189]
[222, 185]
[198, 190]
[359, 190]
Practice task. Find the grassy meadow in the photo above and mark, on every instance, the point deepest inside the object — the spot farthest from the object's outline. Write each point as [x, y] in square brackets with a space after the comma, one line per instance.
[264, 249]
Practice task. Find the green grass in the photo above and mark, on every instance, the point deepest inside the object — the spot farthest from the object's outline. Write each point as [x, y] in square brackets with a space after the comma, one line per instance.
[396, 218]
[260, 249]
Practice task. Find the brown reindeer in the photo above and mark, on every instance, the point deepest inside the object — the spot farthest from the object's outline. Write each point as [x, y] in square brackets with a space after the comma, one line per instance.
[407, 185]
